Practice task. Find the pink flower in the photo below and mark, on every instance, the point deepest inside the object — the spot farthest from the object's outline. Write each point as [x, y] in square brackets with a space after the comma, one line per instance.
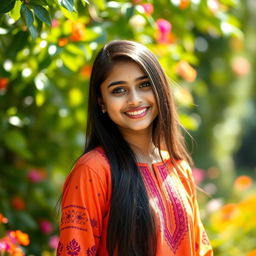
[45, 226]
[55, 23]
[163, 29]
[198, 175]
[35, 175]
[4, 246]
[53, 242]
[149, 8]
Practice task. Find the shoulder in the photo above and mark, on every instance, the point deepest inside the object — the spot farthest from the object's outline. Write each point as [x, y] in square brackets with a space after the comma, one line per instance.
[95, 159]
[93, 163]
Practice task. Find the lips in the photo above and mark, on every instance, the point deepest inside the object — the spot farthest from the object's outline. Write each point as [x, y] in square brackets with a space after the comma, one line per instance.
[137, 112]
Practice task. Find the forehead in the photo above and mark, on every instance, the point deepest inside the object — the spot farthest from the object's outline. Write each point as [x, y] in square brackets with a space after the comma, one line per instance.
[124, 70]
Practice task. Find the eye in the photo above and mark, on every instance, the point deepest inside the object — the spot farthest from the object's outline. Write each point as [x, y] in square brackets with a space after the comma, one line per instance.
[145, 84]
[118, 90]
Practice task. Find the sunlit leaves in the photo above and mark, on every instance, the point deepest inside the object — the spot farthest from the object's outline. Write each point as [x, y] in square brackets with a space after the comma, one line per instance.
[68, 4]
[42, 14]
[27, 15]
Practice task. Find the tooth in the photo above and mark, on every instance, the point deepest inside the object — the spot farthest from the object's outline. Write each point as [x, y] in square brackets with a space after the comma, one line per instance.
[136, 112]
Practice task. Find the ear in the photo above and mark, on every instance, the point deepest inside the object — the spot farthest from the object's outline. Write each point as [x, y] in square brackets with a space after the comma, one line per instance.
[102, 105]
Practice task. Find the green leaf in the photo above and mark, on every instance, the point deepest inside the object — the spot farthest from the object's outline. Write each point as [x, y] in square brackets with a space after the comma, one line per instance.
[6, 5]
[38, 2]
[70, 15]
[85, 1]
[100, 4]
[68, 4]
[33, 32]
[17, 143]
[26, 15]
[15, 12]
[42, 14]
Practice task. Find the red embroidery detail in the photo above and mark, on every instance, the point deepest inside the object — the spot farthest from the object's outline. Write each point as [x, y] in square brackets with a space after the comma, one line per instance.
[91, 251]
[59, 248]
[93, 223]
[179, 211]
[71, 216]
[205, 239]
[196, 246]
[73, 248]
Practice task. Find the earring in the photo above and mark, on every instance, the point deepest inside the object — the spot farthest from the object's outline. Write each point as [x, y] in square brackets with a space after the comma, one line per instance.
[103, 109]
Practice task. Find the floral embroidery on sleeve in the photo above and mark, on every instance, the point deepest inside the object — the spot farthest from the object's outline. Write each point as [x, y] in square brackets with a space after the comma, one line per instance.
[59, 249]
[91, 251]
[73, 248]
[74, 216]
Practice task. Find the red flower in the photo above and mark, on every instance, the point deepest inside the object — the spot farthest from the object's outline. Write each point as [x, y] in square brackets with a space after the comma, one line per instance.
[18, 203]
[3, 83]
[78, 32]
[62, 42]
[86, 71]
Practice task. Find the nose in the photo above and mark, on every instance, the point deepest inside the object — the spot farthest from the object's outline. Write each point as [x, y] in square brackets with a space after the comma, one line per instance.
[134, 98]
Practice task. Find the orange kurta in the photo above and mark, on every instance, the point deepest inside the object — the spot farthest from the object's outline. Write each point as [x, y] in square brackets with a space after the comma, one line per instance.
[86, 205]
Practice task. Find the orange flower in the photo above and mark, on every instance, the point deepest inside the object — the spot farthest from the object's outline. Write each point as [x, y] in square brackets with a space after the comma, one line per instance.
[228, 210]
[86, 71]
[251, 253]
[3, 219]
[3, 83]
[62, 42]
[240, 65]
[22, 238]
[186, 71]
[243, 182]
[184, 4]
[18, 203]
[78, 32]
[18, 252]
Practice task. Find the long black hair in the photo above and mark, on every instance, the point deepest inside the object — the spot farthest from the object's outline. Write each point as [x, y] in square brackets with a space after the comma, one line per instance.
[131, 226]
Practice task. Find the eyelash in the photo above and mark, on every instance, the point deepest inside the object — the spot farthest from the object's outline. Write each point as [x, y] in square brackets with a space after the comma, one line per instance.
[120, 90]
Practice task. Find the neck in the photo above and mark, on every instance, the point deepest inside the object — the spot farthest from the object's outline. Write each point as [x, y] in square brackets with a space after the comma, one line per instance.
[142, 145]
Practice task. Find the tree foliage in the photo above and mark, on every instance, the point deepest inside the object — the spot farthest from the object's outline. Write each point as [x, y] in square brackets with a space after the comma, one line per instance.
[46, 51]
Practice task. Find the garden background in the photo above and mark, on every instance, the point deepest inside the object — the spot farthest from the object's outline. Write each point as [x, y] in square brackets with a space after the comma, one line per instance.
[207, 48]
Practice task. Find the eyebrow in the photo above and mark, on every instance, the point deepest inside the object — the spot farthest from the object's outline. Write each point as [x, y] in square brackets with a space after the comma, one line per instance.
[123, 82]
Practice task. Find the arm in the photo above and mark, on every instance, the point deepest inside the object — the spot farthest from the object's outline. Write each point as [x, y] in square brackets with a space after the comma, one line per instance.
[83, 207]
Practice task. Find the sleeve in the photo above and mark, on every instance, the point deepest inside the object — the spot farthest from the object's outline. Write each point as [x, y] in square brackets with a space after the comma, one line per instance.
[83, 208]
[202, 243]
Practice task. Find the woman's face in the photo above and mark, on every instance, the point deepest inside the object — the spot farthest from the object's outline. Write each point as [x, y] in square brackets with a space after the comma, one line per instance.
[128, 97]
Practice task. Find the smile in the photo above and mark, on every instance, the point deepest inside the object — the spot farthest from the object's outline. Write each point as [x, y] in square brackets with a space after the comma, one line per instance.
[137, 114]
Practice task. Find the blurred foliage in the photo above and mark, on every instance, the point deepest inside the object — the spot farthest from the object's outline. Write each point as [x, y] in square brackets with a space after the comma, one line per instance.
[46, 52]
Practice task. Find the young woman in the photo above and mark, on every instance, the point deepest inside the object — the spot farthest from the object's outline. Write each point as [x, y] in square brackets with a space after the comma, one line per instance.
[131, 193]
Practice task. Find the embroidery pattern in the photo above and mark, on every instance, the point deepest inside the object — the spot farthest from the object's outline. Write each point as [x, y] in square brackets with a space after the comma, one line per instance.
[59, 248]
[73, 248]
[180, 216]
[72, 216]
[93, 223]
[91, 251]
[205, 239]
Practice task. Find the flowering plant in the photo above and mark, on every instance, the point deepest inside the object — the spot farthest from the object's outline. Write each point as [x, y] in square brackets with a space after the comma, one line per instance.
[11, 241]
